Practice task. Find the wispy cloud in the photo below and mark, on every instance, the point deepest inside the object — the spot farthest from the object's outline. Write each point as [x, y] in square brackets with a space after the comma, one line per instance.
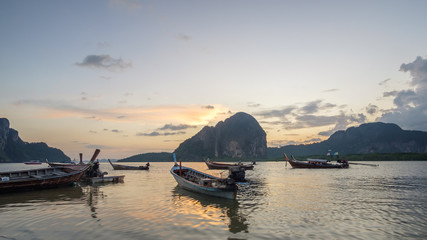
[175, 127]
[104, 62]
[191, 115]
[156, 134]
[253, 105]
[208, 107]
[183, 37]
[384, 82]
[331, 90]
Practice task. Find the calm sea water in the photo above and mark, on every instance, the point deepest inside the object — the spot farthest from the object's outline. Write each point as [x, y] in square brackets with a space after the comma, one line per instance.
[362, 202]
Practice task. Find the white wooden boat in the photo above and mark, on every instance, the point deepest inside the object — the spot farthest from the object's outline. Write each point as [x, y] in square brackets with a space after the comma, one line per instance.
[203, 183]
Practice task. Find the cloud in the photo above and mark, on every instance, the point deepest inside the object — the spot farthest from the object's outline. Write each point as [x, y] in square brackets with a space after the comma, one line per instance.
[208, 107]
[183, 37]
[372, 109]
[384, 83]
[410, 105]
[311, 115]
[331, 90]
[175, 127]
[311, 107]
[156, 134]
[253, 105]
[280, 113]
[104, 62]
[193, 115]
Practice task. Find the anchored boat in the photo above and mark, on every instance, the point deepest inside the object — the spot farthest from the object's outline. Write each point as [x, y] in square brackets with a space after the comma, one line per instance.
[40, 178]
[216, 165]
[204, 183]
[315, 163]
[124, 167]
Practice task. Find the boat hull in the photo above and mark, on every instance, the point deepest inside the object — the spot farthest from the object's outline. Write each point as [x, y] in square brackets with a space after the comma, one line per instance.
[39, 179]
[124, 167]
[191, 186]
[300, 164]
[215, 165]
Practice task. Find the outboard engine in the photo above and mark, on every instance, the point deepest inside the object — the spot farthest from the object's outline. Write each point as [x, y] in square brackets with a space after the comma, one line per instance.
[237, 173]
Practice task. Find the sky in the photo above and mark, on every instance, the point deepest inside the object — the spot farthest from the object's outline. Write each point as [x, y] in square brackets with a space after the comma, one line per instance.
[132, 77]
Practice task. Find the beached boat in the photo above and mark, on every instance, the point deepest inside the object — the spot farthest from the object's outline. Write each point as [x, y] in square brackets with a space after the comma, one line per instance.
[216, 165]
[51, 177]
[315, 163]
[125, 167]
[107, 179]
[203, 183]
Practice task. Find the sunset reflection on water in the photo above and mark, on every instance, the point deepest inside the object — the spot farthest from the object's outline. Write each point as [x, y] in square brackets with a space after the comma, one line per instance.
[277, 202]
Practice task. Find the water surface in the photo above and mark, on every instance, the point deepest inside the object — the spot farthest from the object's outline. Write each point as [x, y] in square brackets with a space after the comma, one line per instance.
[278, 202]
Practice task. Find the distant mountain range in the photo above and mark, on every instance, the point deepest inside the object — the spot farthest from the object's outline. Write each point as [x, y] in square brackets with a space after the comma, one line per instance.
[239, 137]
[367, 138]
[13, 149]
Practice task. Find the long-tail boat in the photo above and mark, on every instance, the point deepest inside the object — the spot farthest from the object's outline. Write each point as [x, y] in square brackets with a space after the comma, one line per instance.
[125, 167]
[40, 178]
[315, 163]
[56, 164]
[216, 165]
[203, 183]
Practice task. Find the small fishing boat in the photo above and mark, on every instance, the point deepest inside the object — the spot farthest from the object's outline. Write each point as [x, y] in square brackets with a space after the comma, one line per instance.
[33, 162]
[216, 165]
[43, 177]
[315, 163]
[124, 167]
[203, 183]
[107, 179]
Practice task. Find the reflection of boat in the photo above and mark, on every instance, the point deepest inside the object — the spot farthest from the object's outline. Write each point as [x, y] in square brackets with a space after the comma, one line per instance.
[43, 177]
[315, 163]
[216, 165]
[33, 162]
[64, 195]
[107, 179]
[218, 208]
[124, 167]
[196, 181]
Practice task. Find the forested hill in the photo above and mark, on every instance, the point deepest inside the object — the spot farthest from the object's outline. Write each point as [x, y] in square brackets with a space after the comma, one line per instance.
[149, 157]
[13, 149]
[367, 138]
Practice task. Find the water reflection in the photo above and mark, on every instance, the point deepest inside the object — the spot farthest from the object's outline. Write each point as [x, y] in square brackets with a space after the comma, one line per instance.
[213, 211]
[57, 196]
[93, 193]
